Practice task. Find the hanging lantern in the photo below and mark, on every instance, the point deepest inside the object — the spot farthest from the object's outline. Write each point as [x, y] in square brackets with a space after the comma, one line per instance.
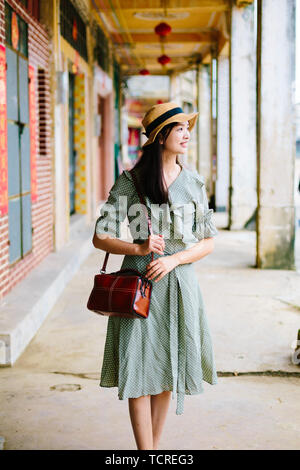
[144, 72]
[163, 29]
[74, 30]
[164, 59]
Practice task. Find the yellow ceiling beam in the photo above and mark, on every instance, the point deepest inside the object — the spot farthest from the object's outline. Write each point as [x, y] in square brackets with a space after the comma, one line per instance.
[182, 67]
[204, 5]
[205, 37]
[151, 62]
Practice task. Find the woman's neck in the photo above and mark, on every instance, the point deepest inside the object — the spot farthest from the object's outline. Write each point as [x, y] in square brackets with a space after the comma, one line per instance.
[170, 164]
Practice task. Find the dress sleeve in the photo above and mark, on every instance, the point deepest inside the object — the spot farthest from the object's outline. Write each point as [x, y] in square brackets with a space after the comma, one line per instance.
[114, 211]
[205, 225]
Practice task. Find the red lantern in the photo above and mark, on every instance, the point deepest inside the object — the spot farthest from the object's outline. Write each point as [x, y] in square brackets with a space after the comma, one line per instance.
[164, 59]
[74, 30]
[163, 29]
[144, 72]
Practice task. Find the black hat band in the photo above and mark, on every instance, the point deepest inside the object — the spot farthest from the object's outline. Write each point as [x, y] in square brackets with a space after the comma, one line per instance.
[161, 119]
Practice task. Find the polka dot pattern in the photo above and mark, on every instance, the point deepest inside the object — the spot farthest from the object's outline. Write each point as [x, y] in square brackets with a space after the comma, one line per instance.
[171, 349]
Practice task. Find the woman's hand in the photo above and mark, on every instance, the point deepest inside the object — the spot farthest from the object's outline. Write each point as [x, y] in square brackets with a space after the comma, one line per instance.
[154, 243]
[161, 266]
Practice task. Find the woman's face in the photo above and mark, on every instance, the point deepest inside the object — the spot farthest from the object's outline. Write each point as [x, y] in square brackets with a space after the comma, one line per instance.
[177, 140]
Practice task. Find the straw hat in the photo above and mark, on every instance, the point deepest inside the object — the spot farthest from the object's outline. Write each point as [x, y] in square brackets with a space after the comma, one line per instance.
[162, 114]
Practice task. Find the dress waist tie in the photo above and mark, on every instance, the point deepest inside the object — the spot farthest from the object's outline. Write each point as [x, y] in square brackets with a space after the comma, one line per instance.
[177, 348]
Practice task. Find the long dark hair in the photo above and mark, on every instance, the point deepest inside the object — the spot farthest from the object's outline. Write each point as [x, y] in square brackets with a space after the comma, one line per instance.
[149, 168]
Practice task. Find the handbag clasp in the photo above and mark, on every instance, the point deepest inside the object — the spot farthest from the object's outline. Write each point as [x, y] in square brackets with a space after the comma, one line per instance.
[145, 284]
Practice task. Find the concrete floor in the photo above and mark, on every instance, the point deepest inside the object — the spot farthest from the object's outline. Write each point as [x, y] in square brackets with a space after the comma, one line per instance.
[51, 399]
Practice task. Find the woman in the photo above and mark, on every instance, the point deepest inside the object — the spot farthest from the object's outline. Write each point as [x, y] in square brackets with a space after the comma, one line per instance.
[171, 350]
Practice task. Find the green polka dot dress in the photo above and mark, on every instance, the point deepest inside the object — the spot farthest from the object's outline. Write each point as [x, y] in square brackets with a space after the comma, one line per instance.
[172, 348]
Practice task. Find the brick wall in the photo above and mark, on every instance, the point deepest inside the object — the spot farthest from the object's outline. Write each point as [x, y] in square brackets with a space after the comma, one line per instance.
[42, 209]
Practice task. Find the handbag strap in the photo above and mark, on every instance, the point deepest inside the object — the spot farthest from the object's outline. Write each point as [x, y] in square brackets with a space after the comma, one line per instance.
[137, 187]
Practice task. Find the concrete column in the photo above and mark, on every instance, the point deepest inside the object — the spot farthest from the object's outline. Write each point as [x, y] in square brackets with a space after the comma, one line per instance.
[204, 121]
[222, 183]
[243, 197]
[174, 87]
[276, 139]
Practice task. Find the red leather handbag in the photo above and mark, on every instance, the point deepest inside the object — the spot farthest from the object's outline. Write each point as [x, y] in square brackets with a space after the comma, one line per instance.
[125, 293]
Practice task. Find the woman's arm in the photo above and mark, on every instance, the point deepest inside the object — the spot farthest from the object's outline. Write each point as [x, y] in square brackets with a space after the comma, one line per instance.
[115, 246]
[119, 247]
[194, 253]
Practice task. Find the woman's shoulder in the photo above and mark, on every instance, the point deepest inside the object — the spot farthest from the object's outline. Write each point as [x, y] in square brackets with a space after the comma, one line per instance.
[127, 175]
[123, 182]
[194, 177]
